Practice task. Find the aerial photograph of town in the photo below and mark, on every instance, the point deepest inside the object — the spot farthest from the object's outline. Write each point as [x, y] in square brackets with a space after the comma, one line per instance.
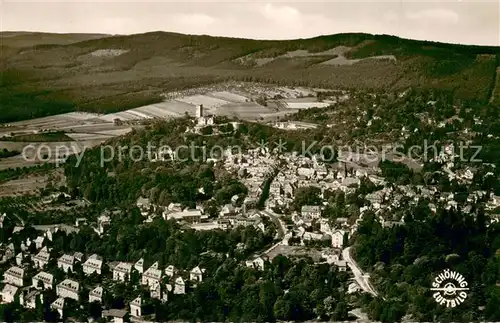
[250, 161]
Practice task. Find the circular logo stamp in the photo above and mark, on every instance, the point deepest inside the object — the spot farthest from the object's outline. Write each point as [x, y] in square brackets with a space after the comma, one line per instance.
[450, 288]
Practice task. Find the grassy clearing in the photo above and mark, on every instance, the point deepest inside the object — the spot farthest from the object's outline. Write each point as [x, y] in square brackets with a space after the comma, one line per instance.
[40, 137]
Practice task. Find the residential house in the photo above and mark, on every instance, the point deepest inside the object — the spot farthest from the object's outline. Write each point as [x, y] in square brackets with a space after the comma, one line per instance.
[19, 259]
[139, 266]
[14, 276]
[92, 265]
[257, 263]
[338, 239]
[39, 242]
[152, 275]
[189, 216]
[58, 305]
[42, 258]
[28, 299]
[117, 315]
[68, 289]
[353, 288]
[155, 292]
[136, 307]
[44, 279]
[103, 222]
[122, 271]
[78, 256]
[8, 293]
[95, 295]
[180, 286]
[170, 271]
[310, 212]
[196, 274]
[65, 262]
[8, 252]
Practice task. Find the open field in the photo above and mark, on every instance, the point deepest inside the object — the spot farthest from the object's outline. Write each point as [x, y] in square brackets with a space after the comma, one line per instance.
[30, 184]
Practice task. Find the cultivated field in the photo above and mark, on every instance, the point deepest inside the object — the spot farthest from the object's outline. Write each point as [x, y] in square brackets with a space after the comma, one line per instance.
[30, 184]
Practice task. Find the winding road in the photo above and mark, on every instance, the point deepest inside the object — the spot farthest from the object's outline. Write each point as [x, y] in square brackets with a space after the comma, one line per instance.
[362, 278]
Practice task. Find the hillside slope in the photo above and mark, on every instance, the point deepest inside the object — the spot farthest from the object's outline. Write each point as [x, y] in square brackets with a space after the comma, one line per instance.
[106, 74]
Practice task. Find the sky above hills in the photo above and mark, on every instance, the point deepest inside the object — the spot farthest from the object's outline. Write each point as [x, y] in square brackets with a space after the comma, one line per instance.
[467, 22]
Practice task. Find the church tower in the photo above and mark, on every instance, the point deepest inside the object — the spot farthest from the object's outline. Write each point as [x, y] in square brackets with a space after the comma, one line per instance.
[199, 111]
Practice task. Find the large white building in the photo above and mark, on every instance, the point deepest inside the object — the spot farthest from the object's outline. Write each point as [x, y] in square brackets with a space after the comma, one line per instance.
[14, 276]
[45, 278]
[42, 258]
[122, 271]
[196, 274]
[92, 265]
[152, 275]
[68, 289]
[338, 239]
[96, 295]
[58, 305]
[180, 286]
[8, 293]
[65, 262]
[136, 307]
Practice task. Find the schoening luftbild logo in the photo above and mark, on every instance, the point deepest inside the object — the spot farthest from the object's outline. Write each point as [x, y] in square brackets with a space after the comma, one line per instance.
[450, 288]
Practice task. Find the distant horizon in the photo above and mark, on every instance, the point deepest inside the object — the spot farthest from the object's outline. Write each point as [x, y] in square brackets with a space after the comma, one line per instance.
[235, 37]
[467, 22]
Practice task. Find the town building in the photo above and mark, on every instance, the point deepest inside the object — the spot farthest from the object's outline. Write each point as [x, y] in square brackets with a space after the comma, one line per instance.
[28, 299]
[14, 276]
[65, 262]
[43, 280]
[180, 286]
[170, 271]
[136, 307]
[8, 293]
[95, 295]
[257, 263]
[92, 265]
[122, 271]
[152, 275]
[42, 258]
[196, 274]
[68, 289]
[58, 305]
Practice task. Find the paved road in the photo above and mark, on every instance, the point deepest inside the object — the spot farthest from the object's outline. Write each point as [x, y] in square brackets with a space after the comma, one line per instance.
[361, 277]
[279, 223]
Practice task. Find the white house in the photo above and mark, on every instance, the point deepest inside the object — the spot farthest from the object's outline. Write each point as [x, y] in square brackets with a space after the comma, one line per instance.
[14, 276]
[92, 265]
[45, 278]
[95, 295]
[65, 262]
[152, 275]
[196, 274]
[39, 242]
[19, 259]
[170, 271]
[155, 292]
[58, 305]
[42, 258]
[29, 300]
[122, 271]
[257, 263]
[68, 289]
[338, 239]
[136, 307]
[180, 286]
[8, 293]
[139, 266]
[310, 211]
